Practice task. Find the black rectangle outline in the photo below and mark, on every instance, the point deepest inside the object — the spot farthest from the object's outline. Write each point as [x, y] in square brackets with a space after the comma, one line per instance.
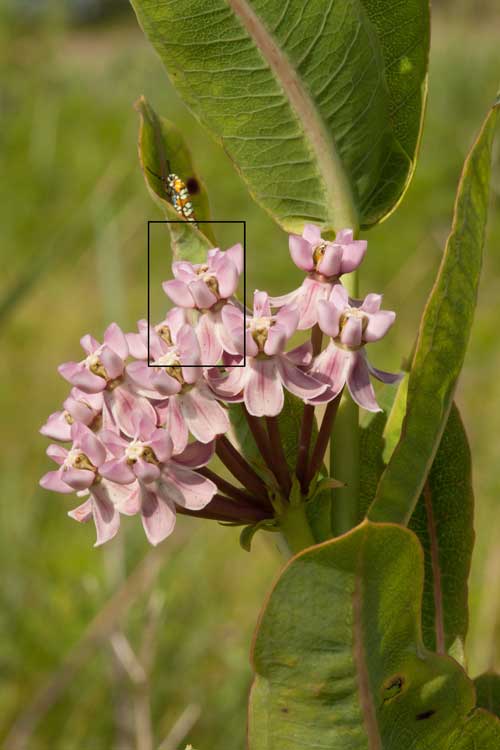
[206, 221]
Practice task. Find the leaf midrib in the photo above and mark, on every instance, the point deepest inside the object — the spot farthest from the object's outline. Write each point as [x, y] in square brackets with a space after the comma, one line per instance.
[338, 190]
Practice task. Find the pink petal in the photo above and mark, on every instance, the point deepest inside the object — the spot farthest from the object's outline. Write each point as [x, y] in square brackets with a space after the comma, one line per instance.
[52, 481]
[106, 516]
[89, 344]
[178, 292]
[301, 355]
[158, 516]
[297, 381]
[312, 233]
[371, 303]
[145, 471]
[113, 364]
[204, 416]
[339, 297]
[203, 297]
[90, 444]
[286, 299]
[83, 512]
[385, 377]
[140, 373]
[184, 270]
[116, 340]
[176, 318]
[137, 347]
[263, 391]
[161, 443]
[194, 490]
[312, 292]
[235, 253]
[78, 479]
[276, 340]
[231, 384]
[57, 427]
[210, 346]
[261, 306]
[188, 346]
[353, 254]
[124, 404]
[57, 453]
[176, 426]
[331, 367]
[227, 278]
[117, 470]
[301, 252]
[288, 317]
[125, 497]
[196, 454]
[113, 442]
[330, 263]
[77, 374]
[234, 323]
[352, 332]
[378, 325]
[329, 318]
[358, 382]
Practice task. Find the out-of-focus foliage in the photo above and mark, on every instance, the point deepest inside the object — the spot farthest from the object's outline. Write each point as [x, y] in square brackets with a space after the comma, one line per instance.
[73, 208]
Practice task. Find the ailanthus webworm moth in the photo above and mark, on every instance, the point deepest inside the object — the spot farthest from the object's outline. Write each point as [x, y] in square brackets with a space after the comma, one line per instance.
[178, 194]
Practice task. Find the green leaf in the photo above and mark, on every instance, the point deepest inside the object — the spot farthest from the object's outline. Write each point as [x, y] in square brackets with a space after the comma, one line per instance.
[340, 662]
[161, 146]
[443, 521]
[442, 340]
[488, 692]
[248, 533]
[318, 104]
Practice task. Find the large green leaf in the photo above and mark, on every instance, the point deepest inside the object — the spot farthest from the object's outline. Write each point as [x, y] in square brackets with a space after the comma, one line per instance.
[442, 340]
[161, 149]
[319, 103]
[488, 692]
[339, 657]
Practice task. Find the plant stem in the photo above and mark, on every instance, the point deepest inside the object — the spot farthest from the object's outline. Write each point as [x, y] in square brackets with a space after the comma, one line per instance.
[323, 438]
[238, 467]
[279, 459]
[344, 450]
[304, 444]
[222, 508]
[295, 528]
[235, 492]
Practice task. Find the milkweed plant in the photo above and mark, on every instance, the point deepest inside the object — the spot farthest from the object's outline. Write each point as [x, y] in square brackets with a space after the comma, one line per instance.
[366, 490]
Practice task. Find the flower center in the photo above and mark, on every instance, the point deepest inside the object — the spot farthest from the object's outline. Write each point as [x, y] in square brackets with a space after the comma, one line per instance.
[137, 450]
[318, 253]
[259, 328]
[172, 365]
[78, 460]
[94, 364]
[208, 277]
[165, 334]
[353, 312]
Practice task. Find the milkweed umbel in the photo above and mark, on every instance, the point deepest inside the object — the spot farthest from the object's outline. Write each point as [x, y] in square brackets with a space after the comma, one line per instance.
[177, 194]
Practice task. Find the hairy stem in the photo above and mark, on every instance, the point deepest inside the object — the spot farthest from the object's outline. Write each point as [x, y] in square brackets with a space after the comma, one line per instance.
[278, 454]
[344, 450]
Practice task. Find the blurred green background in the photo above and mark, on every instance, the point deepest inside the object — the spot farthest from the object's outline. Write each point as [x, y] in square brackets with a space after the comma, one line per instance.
[73, 211]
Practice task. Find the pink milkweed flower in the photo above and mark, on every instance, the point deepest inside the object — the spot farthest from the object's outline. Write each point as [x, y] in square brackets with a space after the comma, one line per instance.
[207, 287]
[324, 262]
[162, 480]
[268, 369]
[351, 325]
[78, 407]
[177, 374]
[103, 371]
[79, 470]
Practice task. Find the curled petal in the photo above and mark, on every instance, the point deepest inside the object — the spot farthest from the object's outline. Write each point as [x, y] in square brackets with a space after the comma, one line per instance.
[158, 516]
[301, 252]
[106, 516]
[358, 382]
[163, 383]
[378, 325]
[89, 344]
[83, 512]
[116, 340]
[298, 382]
[227, 277]
[261, 306]
[57, 453]
[352, 332]
[235, 253]
[125, 497]
[263, 391]
[196, 454]
[229, 385]
[57, 427]
[117, 470]
[329, 318]
[371, 303]
[203, 296]
[78, 479]
[178, 292]
[89, 443]
[184, 270]
[353, 254]
[331, 262]
[176, 318]
[77, 374]
[385, 377]
[113, 364]
[52, 481]
[193, 490]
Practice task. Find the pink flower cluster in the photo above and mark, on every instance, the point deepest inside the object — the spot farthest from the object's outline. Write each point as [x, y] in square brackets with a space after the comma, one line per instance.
[131, 411]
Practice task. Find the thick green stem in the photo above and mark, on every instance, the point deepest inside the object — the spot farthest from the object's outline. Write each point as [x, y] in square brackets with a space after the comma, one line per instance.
[344, 450]
[295, 529]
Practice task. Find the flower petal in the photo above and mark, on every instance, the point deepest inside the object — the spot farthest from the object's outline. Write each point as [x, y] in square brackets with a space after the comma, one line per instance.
[158, 516]
[203, 296]
[371, 303]
[378, 325]
[194, 490]
[353, 253]
[83, 512]
[352, 332]
[234, 323]
[385, 377]
[176, 426]
[331, 367]
[52, 481]
[89, 443]
[261, 306]
[113, 364]
[161, 443]
[227, 277]
[78, 479]
[301, 355]
[301, 252]
[288, 317]
[312, 292]
[210, 345]
[298, 382]
[358, 382]
[178, 292]
[204, 416]
[137, 347]
[312, 233]
[57, 427]
[146, 472]
[276, 339]
[263, 390]
[330, 263]
[77, 374]
[106, 516]
[124, 404]
[116, 340]
[196, 454]
[329, 318]
[89, 344]
[235, 253]
[117, 470]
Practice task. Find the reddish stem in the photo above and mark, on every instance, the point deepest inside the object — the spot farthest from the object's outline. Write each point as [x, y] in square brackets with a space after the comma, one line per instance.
[239, 467]
[278, 455]
[324, 434]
